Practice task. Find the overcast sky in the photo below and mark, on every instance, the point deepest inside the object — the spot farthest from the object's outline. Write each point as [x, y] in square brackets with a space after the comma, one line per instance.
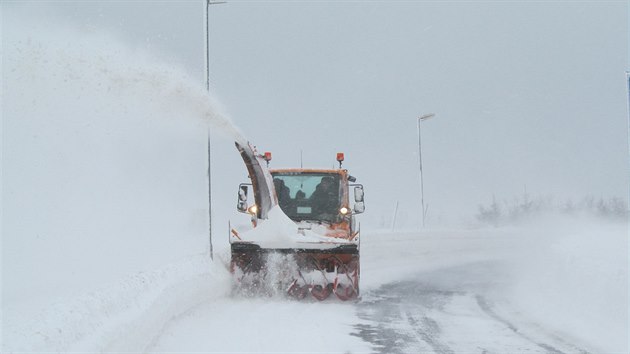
[528, 95]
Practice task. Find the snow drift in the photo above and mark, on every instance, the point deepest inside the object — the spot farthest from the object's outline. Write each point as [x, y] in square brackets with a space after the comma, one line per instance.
[572, 275]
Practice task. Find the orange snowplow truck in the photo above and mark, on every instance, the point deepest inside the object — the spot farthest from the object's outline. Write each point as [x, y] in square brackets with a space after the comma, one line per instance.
[304, 237]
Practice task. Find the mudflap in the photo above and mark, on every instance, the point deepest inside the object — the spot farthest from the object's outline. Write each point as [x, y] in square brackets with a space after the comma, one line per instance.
[296, 272]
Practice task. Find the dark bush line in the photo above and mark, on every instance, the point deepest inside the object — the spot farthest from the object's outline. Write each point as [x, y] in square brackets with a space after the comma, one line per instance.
[504, 212]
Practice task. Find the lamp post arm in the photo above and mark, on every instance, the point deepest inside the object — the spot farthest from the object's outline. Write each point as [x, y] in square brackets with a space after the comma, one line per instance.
[628, 87]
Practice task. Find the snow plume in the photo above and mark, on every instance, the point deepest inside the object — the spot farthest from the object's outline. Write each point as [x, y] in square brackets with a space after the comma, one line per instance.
[93, 72]
[273, 280]
[104, 176]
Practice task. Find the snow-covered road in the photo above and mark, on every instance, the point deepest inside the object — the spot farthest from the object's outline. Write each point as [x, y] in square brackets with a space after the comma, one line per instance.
[431, 292]
[262, 325]
[442, 311]
[443, 291]
[448, 311]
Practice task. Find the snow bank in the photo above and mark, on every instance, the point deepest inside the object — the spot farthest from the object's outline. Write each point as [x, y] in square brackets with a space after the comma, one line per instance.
[122, 316]
[572, 275]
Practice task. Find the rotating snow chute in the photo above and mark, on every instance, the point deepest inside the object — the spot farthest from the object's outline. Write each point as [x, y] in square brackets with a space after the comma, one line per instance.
[304, 237]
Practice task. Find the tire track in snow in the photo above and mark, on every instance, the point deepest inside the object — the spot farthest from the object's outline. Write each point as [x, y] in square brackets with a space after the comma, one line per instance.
[428, 330]
[396, 323]
[446, 312]
[485, 306]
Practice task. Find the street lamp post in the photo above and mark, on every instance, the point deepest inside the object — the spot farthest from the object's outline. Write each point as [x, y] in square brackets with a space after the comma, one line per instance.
[207, 51]
[628, 83]
[420, 119]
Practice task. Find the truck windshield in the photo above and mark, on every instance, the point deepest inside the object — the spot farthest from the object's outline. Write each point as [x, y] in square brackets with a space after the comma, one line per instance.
[308, 196]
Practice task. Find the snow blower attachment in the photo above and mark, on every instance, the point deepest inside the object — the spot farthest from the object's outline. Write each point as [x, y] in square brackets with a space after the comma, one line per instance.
[304, 237]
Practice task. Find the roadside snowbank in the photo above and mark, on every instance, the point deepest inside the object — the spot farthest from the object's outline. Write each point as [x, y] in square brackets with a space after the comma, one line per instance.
[123, 316]
[572, 275]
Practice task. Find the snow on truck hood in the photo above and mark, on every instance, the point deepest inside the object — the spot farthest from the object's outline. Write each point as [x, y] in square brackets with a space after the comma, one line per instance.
[279, 231]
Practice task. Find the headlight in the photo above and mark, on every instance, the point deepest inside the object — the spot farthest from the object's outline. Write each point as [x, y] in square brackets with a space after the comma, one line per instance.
[253, 209]
[344, 211]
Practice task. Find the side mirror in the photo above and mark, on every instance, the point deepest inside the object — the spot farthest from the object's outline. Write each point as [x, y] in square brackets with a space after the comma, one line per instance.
[242, 198]
[358, 194]
[359, 205]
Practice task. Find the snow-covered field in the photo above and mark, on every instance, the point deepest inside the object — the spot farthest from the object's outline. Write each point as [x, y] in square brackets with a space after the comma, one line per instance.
[104, 245]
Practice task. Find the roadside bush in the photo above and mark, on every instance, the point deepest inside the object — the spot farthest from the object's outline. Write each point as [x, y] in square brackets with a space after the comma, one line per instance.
[524, 207]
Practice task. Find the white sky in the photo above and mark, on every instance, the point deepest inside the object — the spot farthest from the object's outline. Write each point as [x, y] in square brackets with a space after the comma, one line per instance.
[527, 94]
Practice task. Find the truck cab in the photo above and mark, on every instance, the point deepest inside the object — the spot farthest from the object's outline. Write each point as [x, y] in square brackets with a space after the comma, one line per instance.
[304, 227]
[310, 196]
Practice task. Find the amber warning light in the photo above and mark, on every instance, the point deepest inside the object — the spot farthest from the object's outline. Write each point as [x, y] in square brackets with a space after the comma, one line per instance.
[340, 158]
[267, 157]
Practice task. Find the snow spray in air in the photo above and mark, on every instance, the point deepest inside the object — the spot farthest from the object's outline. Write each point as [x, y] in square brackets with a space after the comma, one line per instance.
[89, 121]
[104, 160]
[100, 73]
